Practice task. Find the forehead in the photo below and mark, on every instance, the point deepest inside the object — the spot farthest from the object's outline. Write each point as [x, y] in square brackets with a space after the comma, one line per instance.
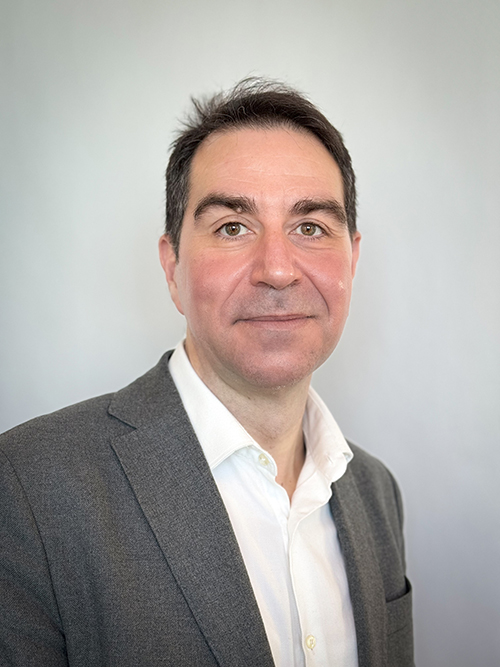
[276, 163]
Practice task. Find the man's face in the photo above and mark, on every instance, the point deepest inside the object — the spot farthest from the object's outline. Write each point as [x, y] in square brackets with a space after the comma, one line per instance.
[265, 260]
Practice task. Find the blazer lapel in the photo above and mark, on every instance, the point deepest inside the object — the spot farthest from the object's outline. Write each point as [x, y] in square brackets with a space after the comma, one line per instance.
[170, 477]
[363, 574]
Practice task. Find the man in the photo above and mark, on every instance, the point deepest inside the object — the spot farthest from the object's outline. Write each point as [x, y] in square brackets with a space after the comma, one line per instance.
[210, 513]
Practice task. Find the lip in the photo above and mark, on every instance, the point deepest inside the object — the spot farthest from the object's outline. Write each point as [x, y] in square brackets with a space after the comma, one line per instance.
[280, 321]
[276, 318]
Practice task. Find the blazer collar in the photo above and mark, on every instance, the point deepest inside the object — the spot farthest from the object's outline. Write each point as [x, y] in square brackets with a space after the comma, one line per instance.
[172, 482]
[149, 399]
[365, 581]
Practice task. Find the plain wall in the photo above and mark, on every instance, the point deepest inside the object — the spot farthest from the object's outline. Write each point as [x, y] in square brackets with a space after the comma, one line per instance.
[91, 93]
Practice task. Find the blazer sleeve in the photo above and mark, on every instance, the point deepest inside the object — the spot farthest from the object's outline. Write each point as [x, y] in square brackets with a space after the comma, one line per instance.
[30, 626]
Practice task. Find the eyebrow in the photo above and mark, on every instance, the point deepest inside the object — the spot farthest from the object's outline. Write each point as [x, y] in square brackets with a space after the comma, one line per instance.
[331, 206]
[236, 204]
[241, 204]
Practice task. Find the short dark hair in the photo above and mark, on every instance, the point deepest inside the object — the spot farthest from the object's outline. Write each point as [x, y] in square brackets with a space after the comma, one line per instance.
[253, 102]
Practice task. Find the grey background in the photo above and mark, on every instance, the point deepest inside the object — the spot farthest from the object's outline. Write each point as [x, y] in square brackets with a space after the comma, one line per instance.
[91, 93]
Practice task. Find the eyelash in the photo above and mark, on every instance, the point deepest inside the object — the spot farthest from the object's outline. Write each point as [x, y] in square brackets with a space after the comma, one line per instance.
[317, 227]
[229, 236]
[241, 225]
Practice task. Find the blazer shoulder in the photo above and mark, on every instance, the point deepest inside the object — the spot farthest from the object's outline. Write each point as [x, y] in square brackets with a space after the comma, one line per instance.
[86, 427]
[379, 492]
[87, 421]
[53, 420]
[370, 473]
[366, 461]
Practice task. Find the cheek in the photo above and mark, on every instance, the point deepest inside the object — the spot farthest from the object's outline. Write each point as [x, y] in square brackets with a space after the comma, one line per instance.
[206, 284]
[332, 278]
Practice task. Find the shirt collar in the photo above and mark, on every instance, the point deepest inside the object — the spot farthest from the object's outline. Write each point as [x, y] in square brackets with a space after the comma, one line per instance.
[221, 435]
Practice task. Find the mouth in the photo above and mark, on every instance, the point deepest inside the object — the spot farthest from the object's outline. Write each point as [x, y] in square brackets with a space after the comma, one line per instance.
[276, 318]
[280, 321]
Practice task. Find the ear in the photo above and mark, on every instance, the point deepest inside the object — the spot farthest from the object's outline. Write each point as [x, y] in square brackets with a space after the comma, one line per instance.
[169, 263]
[355, 243]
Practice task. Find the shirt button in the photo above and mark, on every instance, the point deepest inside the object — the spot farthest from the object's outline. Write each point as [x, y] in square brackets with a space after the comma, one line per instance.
[310, 641]
[263, 460]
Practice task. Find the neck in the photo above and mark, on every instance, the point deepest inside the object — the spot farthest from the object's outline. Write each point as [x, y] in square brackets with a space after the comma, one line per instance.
[273, 417]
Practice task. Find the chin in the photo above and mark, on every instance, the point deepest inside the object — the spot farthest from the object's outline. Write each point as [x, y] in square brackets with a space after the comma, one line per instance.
[276, 375]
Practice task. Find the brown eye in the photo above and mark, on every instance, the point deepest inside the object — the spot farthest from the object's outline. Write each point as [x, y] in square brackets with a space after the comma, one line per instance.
[308, 229]
[232, 228]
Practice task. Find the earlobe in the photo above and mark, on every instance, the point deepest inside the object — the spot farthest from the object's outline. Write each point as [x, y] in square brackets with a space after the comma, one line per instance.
[169, 263]
[355, 243]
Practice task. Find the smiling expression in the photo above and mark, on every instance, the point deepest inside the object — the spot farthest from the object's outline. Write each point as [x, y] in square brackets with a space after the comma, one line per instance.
[265, 260]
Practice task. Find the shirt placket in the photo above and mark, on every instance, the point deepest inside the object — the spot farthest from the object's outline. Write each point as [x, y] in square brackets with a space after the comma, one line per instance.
[298, 554]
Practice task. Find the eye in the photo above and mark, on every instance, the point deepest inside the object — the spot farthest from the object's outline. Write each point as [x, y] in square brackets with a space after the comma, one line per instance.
[310, 229]
[233, 229]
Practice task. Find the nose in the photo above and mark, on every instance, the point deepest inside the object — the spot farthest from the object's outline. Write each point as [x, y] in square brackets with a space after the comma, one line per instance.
[274, 262]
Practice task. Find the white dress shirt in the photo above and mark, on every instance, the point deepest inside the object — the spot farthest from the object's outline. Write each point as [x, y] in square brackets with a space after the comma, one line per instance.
[291, 551]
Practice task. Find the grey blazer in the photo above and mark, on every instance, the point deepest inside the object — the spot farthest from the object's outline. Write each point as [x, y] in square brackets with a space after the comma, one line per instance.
[116, 549]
